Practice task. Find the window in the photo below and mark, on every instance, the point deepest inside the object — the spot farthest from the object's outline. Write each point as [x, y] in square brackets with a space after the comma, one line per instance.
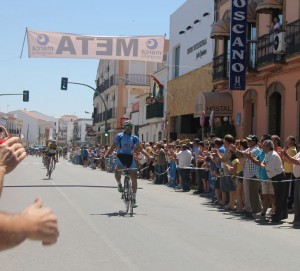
[251, 37]
[177, 59]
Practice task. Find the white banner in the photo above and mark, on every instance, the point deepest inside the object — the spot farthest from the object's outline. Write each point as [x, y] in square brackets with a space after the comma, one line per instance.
[42, 44]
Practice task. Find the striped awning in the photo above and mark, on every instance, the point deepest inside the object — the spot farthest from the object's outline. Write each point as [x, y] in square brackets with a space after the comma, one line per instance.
[267, 6]
[251, 12]
[220, 29]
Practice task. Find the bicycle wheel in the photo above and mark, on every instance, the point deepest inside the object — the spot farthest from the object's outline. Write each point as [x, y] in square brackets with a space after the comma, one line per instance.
[50, 168]
[126, 193]
[130, 198]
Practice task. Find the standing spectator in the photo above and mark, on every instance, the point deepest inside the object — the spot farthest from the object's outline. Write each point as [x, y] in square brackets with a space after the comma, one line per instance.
[161, 164]
[274, 168]
[295, 160]
[218, 147]
[184, 158]
[172, 165]
[267, 186]
[150, 170]
[276, 141]
[203, 172]
[290, 145]
[84, 156]
[241, 145]
[250, 182]
[227, 187]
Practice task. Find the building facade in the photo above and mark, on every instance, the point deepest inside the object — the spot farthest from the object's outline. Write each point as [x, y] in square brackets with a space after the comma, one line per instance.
[190, 69]
[270, 103]
[118, 83]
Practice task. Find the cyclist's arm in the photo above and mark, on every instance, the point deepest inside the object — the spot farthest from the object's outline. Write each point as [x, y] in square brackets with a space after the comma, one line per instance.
[142, 150]
[111, 149]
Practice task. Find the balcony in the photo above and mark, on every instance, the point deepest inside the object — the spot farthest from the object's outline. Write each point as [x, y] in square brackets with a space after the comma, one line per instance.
[137, 79]
[128, 79]
[220, 67]
[155, 111]
[293, 37]
[260, 52]
[100, 117]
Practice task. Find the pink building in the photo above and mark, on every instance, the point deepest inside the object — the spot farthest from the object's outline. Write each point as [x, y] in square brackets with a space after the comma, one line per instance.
[271, 101]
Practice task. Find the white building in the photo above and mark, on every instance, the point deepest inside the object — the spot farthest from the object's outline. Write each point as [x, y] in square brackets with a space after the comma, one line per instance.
[80, 134]
[35, 129]
[150, 119]
[190, 44]
[66, 129]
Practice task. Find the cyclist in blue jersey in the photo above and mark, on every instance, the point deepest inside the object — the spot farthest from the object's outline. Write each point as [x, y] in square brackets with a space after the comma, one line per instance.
[125, 142]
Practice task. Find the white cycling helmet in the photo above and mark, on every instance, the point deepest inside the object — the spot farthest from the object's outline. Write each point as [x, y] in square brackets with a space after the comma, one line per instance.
[128, 123]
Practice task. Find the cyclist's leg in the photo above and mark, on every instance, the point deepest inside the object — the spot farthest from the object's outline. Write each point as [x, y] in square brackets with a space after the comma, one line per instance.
[133, 176]
[118, 175]
[48, 163]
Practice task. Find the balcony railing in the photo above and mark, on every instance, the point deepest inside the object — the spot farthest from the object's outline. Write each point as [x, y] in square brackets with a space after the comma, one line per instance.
[111, 113]
[128, 79]
[137, 79]
[260, 51]
[293, 37]
[155, 111]
[220, 67]
[265, 45]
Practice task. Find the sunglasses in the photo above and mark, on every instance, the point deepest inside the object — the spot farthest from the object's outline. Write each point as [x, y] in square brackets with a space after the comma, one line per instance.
[127, 127]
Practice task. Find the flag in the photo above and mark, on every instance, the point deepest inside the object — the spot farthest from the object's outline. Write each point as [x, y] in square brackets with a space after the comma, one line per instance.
[157, 87]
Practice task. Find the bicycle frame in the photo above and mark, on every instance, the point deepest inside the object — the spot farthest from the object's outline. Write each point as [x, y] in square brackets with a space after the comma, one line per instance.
[51, 165]
[127, 194]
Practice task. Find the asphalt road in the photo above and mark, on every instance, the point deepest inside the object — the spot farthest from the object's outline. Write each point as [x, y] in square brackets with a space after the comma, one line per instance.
[169, 230]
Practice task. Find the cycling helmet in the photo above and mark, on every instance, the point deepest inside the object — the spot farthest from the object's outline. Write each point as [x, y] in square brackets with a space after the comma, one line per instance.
[127, 123]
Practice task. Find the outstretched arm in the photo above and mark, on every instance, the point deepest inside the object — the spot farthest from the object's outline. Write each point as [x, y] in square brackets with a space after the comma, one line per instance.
[34, 223]
[111, 149]
[11, 154]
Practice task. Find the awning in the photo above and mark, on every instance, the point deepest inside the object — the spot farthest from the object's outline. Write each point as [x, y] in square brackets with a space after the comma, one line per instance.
[219, 102]
[267, 6]
[220, 29]
[251, 12]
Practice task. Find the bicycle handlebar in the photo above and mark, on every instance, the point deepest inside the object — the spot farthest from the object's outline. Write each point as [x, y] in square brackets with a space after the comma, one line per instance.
[127, 169]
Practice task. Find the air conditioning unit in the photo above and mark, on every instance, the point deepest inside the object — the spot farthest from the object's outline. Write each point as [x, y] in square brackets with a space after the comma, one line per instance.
[279, 43]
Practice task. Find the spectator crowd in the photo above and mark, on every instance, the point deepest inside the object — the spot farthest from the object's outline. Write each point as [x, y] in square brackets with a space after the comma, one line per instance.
[253, 177]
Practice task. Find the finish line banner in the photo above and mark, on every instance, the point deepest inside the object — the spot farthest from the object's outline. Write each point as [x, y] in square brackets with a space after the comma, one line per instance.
[42, 44]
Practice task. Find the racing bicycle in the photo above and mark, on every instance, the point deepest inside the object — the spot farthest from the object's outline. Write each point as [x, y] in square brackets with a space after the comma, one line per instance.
[50, 166]
[127, 194]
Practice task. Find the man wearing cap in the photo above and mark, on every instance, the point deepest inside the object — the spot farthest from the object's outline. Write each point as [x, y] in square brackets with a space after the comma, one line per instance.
[250, 182]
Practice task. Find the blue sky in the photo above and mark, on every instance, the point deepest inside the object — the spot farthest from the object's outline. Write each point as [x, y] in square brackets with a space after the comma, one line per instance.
[42, 76]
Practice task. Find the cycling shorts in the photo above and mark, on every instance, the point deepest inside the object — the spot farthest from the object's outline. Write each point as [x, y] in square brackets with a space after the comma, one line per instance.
[125, 161]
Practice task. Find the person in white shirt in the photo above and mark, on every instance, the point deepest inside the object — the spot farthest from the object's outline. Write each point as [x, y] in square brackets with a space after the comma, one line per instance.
[274, 168]
[184, 158]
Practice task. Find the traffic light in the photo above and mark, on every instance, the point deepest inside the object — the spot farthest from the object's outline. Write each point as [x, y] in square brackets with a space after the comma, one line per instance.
[64, 83]
[106, 133]
[25, 95]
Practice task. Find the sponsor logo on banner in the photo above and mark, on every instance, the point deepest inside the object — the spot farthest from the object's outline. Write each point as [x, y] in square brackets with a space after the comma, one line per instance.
[237, 78]
[62, 45]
